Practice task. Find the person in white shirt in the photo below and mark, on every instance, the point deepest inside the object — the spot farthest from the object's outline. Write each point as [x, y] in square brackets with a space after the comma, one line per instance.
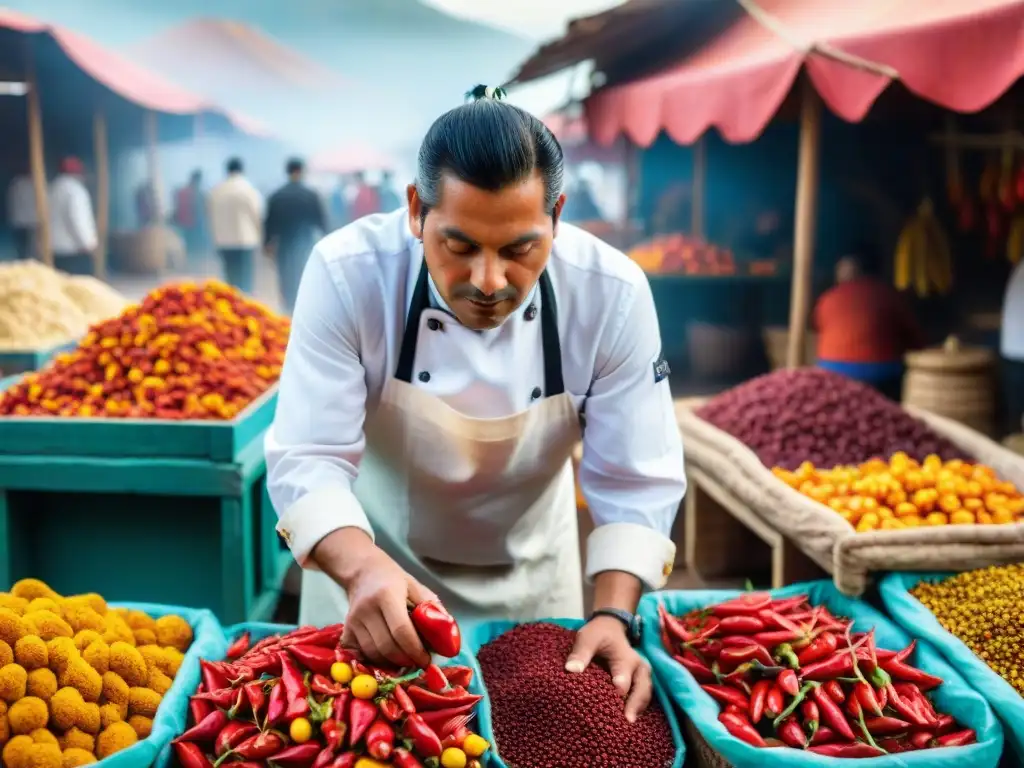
[444, 361]
[72, 223]
[236, 222]
[22, 215]
[1012, 349]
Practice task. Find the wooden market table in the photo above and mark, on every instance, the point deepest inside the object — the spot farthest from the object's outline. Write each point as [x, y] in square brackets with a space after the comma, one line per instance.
[141, 509]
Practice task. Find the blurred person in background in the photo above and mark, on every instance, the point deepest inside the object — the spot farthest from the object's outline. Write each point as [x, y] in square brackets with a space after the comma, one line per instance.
[21, 214]
[295, 219]
[388, 197]
[190, 216]
[146, 206]
[72, 222]
[365, 200]
[338, 204]
[864, 328]
[236, 219]
[579, 202]
[1011, 348]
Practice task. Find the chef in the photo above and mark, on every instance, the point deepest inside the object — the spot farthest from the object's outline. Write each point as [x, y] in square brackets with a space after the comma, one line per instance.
[444, 361]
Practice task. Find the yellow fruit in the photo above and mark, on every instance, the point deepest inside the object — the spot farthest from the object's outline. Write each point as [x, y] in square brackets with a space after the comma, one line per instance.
[937, 518]
[892, 525]
[961, 517]
[300, 730]
[912, 521]
[341, 672]
[475, 746]
[364, 687]
[453, 757]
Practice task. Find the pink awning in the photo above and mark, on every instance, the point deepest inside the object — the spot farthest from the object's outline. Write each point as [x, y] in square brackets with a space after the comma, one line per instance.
[959, 54]
[122, 76]
[350, 159]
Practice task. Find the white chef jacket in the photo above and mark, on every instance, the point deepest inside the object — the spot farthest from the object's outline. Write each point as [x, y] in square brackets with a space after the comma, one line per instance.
[72, 224]
[1012, 343]
[236, 213]
[21, 203]
[346, 333]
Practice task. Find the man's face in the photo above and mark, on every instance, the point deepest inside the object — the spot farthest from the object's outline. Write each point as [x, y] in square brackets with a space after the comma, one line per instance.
[485, 250]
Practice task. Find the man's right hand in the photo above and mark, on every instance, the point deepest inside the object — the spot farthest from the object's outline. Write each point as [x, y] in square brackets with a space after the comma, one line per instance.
[379, 593]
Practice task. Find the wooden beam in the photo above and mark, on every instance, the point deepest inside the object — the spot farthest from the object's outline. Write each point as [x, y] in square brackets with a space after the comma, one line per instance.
[37, 158]
[101, 158]
[805, 223]
[699, 192]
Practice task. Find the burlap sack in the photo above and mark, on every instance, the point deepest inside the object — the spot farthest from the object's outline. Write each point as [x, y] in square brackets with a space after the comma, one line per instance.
[831, 541]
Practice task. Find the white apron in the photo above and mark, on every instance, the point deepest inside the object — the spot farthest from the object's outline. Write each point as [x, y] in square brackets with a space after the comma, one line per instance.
[480, 511]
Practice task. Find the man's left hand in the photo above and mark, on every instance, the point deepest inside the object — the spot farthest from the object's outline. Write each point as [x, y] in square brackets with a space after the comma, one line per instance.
[605, 637]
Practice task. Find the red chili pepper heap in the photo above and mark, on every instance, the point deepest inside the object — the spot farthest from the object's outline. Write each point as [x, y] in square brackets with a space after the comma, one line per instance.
[789, 674]
[545, 717]
[301, 701]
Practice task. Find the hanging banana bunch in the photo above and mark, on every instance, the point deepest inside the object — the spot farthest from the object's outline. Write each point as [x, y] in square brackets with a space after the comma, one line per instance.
[923, 260]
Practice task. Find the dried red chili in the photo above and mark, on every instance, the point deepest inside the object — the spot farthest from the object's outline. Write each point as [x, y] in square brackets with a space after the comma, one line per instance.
[238, 648]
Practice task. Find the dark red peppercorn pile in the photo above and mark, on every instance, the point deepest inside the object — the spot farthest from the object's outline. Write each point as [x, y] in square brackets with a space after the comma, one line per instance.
[545, 717]
[809, 414]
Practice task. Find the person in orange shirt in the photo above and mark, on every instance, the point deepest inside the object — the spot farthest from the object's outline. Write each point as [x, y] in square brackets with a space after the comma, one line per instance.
[864, 328]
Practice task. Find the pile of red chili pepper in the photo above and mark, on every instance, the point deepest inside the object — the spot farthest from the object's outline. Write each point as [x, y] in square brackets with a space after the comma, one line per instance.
[302, 701]
[787, 673]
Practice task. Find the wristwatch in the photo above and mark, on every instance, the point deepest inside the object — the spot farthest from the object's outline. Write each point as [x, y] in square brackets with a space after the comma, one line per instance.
[633, 623]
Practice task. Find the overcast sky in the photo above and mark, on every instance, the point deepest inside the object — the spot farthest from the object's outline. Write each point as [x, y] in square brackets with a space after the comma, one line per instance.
[539, 19]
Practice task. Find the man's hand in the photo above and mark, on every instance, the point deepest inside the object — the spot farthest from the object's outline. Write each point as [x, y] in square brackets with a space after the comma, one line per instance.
[605, 637]
[378, 623]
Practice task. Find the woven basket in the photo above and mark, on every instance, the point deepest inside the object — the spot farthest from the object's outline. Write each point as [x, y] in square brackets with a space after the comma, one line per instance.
[953, 381]
[832, 542]
[699, 753]
[776, 344]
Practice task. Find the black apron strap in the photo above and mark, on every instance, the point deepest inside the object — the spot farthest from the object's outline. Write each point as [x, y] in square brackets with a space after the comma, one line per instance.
[553, 382]
[420, 301]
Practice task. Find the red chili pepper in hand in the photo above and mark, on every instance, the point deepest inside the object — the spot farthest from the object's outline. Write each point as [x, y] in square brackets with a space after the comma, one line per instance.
[361, 715]
[334, 734]
[437, 628]
[199, 709]
[214, 678]
[233, 734]
[389, 709]
[428, 700]
[191, 755]
[886, 726]
[324, 686]
[774, 702]
[865, 694]
[298, 756]
[757, 697]
[727, 695]
[434, 678]
[792, 734]
[239, 646]
[745, 605]
[835, 691]
[854, 749]
[424, 740]
[744, 625]
[741, 729]
[207, 729]
[788, 682]
[295, 689]
[822, 646]
[403, 758]
[832, 715]
[314, 658]
[458, 675]
[900, 671]
[380, 740]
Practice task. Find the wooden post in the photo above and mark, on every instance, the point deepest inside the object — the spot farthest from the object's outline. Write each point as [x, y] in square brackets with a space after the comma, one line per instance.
[153, 152]
[101, 158]
[804, 224]
[699, 192]
[37, 159]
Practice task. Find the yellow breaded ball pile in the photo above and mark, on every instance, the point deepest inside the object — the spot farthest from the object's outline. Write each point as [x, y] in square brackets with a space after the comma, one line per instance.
[902, 493]
[79, 681]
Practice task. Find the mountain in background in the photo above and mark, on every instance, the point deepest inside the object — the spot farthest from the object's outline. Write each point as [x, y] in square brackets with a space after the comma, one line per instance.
[400, 62]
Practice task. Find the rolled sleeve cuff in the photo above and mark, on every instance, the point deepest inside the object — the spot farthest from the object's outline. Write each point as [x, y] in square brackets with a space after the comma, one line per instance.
[317, 514]
[631, 548]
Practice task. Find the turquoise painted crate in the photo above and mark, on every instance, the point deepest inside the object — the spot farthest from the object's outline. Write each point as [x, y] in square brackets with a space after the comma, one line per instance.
[177, 531]
[217, 441]
[477, 634]
[207, 642]
[25, 360]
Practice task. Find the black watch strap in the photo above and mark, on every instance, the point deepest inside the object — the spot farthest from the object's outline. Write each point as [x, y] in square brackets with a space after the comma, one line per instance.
[632, 622]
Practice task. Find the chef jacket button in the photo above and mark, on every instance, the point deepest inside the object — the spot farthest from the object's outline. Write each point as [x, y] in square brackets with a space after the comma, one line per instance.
[424, 376]
[531, 312]
[537, 392]
[434, 324]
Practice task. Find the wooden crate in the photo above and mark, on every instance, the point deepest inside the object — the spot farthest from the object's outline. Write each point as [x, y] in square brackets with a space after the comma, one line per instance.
[178, 531]
[14, 362]
[724, 539]
[215, 441]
